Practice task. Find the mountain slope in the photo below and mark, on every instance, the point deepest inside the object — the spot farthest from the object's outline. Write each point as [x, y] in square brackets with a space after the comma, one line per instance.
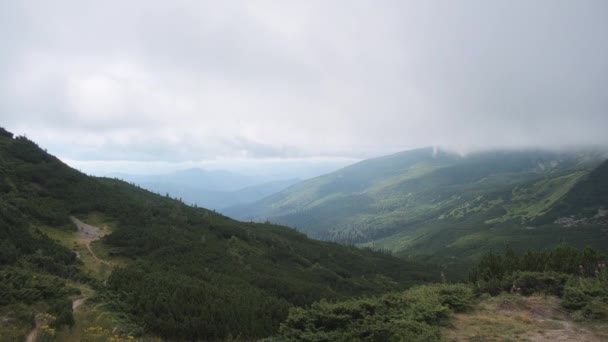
[427, 198]
[182, 267]
[588, 198]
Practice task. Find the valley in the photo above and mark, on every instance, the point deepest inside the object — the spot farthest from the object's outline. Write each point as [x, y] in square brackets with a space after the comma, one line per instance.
[431, 202]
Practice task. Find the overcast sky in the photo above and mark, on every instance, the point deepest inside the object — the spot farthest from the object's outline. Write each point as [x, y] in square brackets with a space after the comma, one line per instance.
[183, 82]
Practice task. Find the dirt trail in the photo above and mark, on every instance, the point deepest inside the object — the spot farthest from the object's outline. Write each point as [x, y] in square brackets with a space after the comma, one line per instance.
[31, 337]
[88, 233]
[34, 333]
[77, 302]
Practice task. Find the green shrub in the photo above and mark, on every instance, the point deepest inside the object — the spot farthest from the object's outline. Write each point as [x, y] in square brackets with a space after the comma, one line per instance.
[550, 283]
[62, 310]
[493, 286]
[587, 296]
[457, 297]
[413, 315]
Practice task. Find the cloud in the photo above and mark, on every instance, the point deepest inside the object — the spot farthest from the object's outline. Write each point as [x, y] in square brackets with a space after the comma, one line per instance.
[195, 80]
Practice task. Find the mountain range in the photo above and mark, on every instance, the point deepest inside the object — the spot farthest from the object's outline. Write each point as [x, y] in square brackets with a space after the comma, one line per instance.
[212, 189]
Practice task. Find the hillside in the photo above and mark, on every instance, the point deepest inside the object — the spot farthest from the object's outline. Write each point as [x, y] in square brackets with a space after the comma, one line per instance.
[164, 268]
[426, 201]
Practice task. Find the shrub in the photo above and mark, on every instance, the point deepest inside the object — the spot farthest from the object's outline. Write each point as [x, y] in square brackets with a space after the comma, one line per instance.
[413, 315]
[550, 283]
[588, 296]
[457, 297]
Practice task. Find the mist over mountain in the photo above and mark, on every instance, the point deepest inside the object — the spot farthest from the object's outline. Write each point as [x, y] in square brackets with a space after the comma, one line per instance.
[217, 180]
[216, 189]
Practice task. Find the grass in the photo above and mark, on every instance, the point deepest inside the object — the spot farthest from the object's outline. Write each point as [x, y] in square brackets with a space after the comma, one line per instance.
[94, 321]
[529, 201]
[90, 265]
[510, 317]
[16, 321]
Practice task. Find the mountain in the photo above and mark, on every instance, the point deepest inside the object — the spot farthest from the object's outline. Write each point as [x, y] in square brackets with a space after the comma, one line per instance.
[191, 190]
[153, 266]
[428, 201]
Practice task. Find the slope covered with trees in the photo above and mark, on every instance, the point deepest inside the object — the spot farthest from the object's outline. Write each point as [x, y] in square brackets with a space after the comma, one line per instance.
[190, 273]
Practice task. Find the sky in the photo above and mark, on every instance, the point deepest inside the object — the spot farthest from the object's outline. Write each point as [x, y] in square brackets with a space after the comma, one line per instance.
[145, 85]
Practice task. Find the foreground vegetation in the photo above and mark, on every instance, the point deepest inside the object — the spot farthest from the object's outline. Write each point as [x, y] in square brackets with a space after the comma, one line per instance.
[413, 315]
[579, 278]
[573, 285]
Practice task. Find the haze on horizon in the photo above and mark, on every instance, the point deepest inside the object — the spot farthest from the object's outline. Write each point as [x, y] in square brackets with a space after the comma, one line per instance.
[189, 83]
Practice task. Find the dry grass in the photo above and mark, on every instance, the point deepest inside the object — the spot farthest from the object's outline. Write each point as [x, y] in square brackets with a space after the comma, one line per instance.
[516, 318]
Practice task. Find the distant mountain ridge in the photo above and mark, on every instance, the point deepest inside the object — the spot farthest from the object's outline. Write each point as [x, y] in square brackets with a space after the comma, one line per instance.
[210, 180]
[409, 200]
[213, 189]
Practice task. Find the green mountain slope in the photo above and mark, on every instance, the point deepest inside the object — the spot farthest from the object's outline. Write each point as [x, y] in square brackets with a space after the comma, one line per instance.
[426, 201]
[186, 273]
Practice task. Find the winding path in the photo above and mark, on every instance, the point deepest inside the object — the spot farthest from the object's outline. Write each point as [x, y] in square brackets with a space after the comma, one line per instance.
[34, 333]
[86, 233]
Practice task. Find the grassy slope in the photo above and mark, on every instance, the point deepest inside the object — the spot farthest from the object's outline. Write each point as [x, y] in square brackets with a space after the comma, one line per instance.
[246, 267]
[516, 318]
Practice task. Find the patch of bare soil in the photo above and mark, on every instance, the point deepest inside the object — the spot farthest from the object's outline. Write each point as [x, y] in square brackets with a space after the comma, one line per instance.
[31, 337]
[77, 302]
[87, 234]
[555, 323]
[518, 318]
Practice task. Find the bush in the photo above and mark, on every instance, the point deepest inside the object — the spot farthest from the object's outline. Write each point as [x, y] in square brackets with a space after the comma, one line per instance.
[550, 283]
[414, 315]
[62, 310]
[457, 297]
[493, 286]
[588, 296]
